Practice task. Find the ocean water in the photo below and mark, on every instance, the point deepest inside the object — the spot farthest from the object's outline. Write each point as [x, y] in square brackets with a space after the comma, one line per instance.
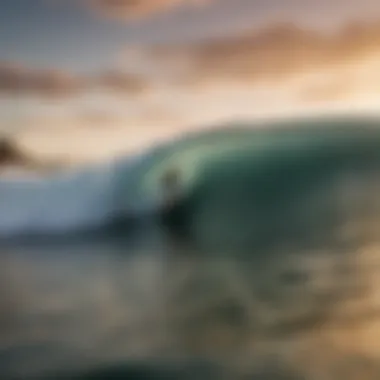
[273, 275]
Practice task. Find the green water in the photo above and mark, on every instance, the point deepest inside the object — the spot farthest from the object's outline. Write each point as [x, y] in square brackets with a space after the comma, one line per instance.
[282, 185]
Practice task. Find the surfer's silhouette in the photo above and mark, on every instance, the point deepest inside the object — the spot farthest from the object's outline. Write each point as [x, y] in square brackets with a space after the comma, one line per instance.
[173, 212]
[171, 187]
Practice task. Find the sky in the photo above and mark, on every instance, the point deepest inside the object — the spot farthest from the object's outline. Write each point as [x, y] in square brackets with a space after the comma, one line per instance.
[86, 78]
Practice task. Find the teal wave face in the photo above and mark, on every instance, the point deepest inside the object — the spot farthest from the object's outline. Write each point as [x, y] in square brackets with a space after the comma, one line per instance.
[279, 183]
[195, 151]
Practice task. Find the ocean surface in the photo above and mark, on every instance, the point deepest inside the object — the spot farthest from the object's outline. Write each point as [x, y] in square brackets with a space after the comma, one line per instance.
[274, 278]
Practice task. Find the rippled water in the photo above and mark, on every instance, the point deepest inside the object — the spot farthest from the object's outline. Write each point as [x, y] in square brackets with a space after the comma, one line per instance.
[157, 308]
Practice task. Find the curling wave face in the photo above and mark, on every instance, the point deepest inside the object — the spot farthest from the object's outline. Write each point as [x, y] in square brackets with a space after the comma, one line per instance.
[292, 182]
[206, 162]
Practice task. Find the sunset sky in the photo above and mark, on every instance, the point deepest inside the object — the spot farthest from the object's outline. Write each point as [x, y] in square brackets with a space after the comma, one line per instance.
[121, 74]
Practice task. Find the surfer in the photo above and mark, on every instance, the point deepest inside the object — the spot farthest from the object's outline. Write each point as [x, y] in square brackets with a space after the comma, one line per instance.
[171, 188]
[172, 215]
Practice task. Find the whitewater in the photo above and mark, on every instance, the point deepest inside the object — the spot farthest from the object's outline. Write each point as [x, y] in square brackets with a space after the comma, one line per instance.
[130, 187]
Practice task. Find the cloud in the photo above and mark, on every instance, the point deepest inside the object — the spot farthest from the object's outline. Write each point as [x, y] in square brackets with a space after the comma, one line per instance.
[16, 79]
[275, 53]
[121, 82]
[139, 8]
